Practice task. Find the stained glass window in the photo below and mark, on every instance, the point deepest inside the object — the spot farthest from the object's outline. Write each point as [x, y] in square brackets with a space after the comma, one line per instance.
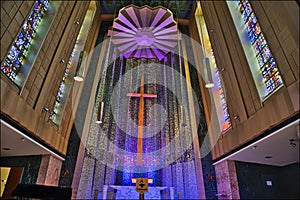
[18, 51]
[227, 122]
[218, 89]
[61, 91]
[267, 65]
[76, 60]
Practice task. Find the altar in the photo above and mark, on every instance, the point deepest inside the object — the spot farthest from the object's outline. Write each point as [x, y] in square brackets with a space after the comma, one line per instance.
[129, 192]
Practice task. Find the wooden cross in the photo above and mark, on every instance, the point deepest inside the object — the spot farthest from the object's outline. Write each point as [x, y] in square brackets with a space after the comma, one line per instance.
[141, 95]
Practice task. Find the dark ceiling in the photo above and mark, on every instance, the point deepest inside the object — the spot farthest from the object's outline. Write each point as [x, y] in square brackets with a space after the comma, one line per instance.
[180, 8]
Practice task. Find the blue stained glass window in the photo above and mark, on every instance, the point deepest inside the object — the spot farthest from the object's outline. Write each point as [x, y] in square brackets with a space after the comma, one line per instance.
[227, 122]
[245, 9]
[18, 51]
[28, 31]
[259, 44]
[268, 68]
[22, 42]
[60, 94]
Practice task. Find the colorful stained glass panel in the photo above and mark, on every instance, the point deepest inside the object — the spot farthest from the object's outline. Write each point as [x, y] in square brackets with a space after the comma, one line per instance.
[18, 51]
[227, 123]
[218, 90]
[60, 93]
[266, 62]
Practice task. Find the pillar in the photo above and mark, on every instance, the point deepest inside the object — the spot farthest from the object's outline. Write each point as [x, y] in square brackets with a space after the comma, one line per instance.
[172, 193]
[49, 171]
[78, 170]
[227, 182]
[104, 193]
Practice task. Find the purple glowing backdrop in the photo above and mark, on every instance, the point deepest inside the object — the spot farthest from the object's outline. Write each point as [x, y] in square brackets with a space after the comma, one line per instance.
[144, 32]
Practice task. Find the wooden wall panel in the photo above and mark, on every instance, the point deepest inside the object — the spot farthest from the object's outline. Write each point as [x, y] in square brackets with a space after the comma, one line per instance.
[42, 84]
[255, 116]
[13, 14]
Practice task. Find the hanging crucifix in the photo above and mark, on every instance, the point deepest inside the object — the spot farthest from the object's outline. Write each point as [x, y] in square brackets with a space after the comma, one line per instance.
[141, 95]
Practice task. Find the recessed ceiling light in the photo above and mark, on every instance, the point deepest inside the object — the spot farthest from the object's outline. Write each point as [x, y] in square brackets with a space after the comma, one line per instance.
[254, 147]
[6, 149]
[292, 142]
[23, 139]
[268, 157]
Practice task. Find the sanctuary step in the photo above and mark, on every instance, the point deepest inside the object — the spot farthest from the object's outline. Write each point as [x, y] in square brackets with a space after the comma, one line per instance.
[129, 192]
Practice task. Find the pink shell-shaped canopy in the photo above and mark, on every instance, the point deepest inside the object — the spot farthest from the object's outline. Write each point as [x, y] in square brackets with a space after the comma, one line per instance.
[144, 32]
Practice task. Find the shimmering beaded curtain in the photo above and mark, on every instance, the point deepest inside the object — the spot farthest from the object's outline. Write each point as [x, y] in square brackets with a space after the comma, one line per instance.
[268, 69]
[122, 138]
[153, 50]
[18, 51]
[149, 144]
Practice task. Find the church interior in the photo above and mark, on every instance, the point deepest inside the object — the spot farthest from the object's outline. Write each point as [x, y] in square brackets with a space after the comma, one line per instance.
[131, 99]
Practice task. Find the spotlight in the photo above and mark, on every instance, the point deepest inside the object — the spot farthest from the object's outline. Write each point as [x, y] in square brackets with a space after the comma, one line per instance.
[76, 22]
[62, 61]
[99, 122]
[78, 78]
[79, 74]
[100, 113]
[45, 109]
[268, 157]
[207, 73]
[209, 85]
[292, 143]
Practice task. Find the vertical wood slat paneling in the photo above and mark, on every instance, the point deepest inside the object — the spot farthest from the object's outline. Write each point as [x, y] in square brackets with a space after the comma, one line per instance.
[238, 59]
[249, 92]
[229, 54]
[282, 35]
[223, 58]
[21, 110]
[13, 14]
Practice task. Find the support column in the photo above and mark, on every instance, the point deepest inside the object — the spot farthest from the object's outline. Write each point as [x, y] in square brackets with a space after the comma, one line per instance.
[227, 182]
[194, 129]
[49, 170]
[104, 193]
[78, 170]
[172, 193]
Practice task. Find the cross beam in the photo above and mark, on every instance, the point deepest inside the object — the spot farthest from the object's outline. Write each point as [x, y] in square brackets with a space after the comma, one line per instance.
[141, 95]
